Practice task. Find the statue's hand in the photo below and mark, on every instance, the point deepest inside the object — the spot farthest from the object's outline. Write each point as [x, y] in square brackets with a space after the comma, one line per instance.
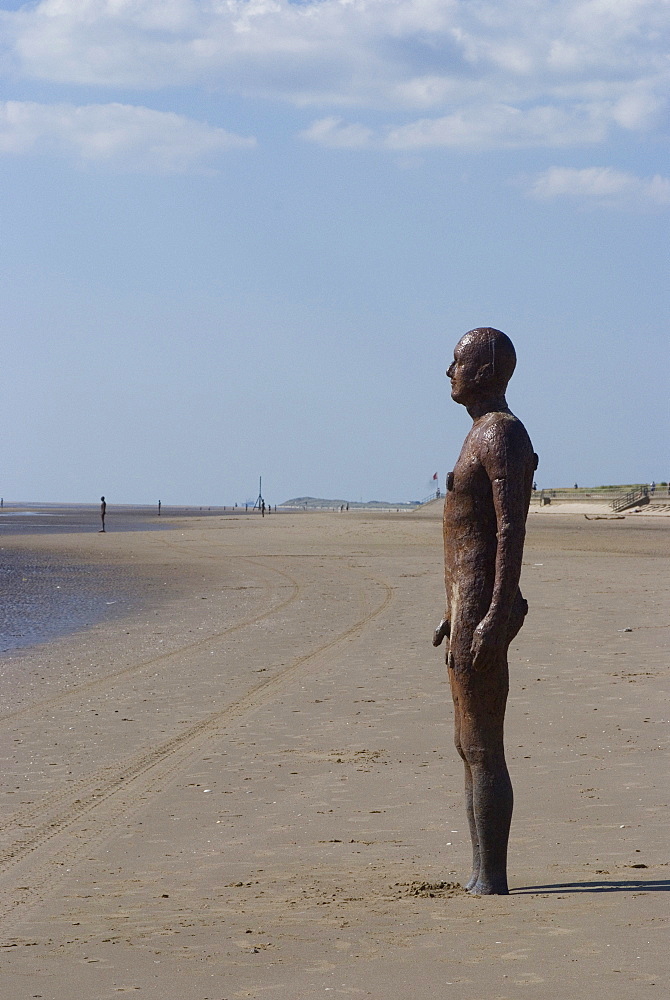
[487, 643]
[442, 630]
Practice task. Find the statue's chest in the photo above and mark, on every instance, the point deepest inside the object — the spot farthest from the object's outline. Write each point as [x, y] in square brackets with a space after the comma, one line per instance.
[469, 477]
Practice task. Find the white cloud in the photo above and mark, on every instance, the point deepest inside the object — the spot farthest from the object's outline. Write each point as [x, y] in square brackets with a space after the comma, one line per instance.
[499, 125]
[120, 136]
[335, 134]
[602, 185]
[473, 128]
[457, 59]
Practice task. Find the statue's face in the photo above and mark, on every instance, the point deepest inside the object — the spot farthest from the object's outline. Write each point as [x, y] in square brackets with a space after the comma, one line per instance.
[463, 370]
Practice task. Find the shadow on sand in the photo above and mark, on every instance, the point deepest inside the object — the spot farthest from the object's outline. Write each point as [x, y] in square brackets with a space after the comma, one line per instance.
[617, 885]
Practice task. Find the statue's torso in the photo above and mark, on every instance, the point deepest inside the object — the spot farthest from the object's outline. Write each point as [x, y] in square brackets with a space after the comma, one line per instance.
[470, 523]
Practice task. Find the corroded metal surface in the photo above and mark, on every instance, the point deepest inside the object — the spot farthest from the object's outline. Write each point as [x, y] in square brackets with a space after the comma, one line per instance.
[485, 511]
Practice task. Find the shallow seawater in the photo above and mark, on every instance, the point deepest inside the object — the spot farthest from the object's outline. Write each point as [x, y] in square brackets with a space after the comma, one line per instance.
[42, 598]
[74, 519]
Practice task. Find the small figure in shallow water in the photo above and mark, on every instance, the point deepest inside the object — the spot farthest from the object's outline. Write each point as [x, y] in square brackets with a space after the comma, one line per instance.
[485, 511]
[103, 511]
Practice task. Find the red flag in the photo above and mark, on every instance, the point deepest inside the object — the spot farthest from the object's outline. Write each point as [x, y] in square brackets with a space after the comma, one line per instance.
[435, 476]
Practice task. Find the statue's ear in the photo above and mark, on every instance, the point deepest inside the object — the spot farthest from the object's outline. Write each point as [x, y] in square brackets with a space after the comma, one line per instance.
[485, 373]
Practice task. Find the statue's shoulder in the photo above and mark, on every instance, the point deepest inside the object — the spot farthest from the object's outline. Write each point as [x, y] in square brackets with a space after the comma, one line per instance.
[503, 430]
[502, 423]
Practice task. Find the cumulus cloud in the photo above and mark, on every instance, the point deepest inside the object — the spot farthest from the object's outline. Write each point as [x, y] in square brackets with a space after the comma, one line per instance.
[120, 136]
[590, 66]
[602, 185]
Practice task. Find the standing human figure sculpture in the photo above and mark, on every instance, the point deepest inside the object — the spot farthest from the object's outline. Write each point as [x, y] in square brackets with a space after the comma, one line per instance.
[485, 511]
[103, 512]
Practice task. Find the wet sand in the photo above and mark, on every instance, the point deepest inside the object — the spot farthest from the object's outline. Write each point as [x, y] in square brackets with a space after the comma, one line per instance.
[248, 788]
[46, 519]
[42, 597]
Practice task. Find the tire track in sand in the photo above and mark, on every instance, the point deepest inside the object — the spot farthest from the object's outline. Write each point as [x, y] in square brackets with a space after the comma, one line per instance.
[88, 786]
[100, 682]
[97, 802]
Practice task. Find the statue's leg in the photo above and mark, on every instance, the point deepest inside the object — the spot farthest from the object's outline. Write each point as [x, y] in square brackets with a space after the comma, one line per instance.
[492, 798]
[469, 787]
[479, 703]
[472, 824]
[492, 802]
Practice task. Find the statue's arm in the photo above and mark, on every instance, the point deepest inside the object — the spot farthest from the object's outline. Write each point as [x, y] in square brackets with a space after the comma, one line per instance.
[505, 456]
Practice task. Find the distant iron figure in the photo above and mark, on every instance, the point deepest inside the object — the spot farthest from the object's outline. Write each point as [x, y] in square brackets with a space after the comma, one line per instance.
[485, 511]
[103, 511]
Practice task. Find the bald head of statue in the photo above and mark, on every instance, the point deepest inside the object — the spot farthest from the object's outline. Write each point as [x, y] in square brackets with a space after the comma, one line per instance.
[484, 360]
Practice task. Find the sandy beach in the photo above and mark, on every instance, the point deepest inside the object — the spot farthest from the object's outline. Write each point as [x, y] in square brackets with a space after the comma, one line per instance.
[247, 788]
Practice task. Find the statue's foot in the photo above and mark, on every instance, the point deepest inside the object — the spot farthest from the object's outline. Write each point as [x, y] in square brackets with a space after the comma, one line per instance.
[489, 887]
[472, 881]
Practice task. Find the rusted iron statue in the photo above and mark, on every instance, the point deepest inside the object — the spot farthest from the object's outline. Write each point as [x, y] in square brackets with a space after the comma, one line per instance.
[485, 511]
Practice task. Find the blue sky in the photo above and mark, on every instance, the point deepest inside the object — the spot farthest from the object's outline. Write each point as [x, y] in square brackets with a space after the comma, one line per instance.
[242, 237]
